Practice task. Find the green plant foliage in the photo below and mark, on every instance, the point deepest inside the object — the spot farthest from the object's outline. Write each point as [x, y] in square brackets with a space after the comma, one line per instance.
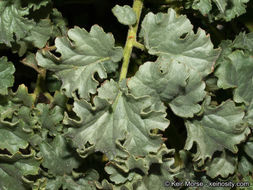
[224, 166]
[6, 75]
[14, 21]
[89, 53]
[125, 14]
[167, 104]
[162, 82]
[171, 36]
[132, 114]
[245, 165]
[50, 118]
[241, 67]
[219, 128]
[220, 9]
[55, 155]
[15, 168]
[68, 183]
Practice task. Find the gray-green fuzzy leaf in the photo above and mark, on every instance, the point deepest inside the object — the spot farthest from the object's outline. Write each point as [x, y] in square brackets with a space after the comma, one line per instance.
[220, 9]
[220, 128]
[50, 118]
[12, 22]
[236, 72]
[127, 118]
[157, 180]
[82, 55]
[244, 41]
[245, 166]
[57, 156]
[14, 169]
[125, 14]
[40, 33]
[122, 170]
[67, 183]
[6, 75]
[161, 81]
[223, 165]
[36, 5]
[172, 36]
[13, 137]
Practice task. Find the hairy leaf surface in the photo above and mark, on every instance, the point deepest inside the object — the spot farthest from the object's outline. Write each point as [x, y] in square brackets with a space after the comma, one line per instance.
[67, 183]
[237, 73]
[125, 14]
[57, 156]
[160, 80]
[12, 21]
[14, 169]
[172, 36]
[82, 55]
[218, 129]
[126, 119]
[40, 33]
[223, 166]
[13, 137]
[245, 166]
[6, 75]
[50, 118]
[220, 9]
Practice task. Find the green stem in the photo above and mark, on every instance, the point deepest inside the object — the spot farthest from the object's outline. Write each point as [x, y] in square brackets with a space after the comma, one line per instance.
[139, 45]
[131, 39]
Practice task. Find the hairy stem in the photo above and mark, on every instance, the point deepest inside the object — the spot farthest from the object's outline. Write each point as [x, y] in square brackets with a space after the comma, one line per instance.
[131, 39]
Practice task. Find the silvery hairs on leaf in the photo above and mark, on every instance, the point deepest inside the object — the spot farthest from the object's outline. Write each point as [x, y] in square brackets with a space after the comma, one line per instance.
[82, 55]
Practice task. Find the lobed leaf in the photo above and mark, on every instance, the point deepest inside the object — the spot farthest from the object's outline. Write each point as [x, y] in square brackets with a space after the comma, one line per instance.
[122, 170]
[244, 41]
[22, 97]
[223, 166]
[127, 122]
[67, 183]
[35, 5]
[160, 80]
[235, 73]
[40, 33]
[13, 21]
[125, 14]
[245, 166]
[14, 169]
[13, 137]
[82, 55]
[58, 157]
[50, 118]
[220, 9]
[219, 129]
[158, 179]
[171, 36]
